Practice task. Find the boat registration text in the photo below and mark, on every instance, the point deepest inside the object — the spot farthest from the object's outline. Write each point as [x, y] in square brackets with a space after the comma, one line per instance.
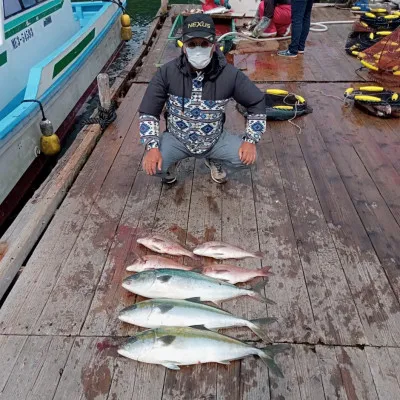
[22, 38]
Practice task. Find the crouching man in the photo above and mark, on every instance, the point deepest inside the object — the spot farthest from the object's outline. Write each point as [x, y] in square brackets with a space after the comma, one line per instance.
[196, 88]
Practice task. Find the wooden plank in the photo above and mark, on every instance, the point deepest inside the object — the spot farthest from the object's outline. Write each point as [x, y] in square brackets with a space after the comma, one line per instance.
[38, 368]
[26, 229]
[52, 369]
[25, 303]
[10, 348]
[149, 382]
[308, 373]
[110, 297]
[356, 375]
[394, 354]
[89, 369]
[379, 166]
[330, 165]
[123, 379]
[384, 373]
[239, 227]
[330, 373]
[190, 382]
[152, 61]
[287, 286]
[83, 267]
[287, 388]
[254, 380]
[334, 310]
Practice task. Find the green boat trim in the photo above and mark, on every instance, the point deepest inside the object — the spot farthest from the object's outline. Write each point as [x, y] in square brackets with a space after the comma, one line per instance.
[69, 57]
[3, 58]
[18, 24]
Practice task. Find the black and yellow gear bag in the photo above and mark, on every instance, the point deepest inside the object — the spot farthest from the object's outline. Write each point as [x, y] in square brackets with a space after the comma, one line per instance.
[380, 21]
[375, 100]
[282, 105]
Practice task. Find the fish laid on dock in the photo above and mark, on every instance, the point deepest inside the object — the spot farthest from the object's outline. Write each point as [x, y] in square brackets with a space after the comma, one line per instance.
[234, 274]
[223, 251]
[157, 313]
[180, 284]
[172, 346]
[162, 245]
[155, 262]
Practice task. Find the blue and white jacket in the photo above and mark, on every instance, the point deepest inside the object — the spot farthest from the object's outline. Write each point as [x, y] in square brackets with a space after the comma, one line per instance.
[195, 103]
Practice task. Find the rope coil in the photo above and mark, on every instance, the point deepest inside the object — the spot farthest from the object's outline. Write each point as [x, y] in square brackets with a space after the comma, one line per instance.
[105, 116]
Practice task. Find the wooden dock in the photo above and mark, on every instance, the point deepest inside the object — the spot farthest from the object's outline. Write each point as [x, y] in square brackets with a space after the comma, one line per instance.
[322, 203]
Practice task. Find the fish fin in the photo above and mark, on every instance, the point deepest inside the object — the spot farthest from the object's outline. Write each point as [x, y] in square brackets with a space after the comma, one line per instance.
[164, 278]
[267, 356]
[194, 299]
[259, 254]
[271, 364]
[170, 365]
[200, 327]
[257, 292]
[167, 339]
[164, 308]
[256, 325]
[227, 362]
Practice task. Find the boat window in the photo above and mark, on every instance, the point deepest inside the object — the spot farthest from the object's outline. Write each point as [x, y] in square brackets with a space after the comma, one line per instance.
[28, 3]
[11, 7]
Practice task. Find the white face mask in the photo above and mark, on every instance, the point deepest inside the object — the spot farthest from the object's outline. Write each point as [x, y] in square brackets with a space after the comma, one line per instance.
[199, 57]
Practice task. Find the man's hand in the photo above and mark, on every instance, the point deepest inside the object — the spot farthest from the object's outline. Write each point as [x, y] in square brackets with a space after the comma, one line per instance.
[247, 153]
[152, 161]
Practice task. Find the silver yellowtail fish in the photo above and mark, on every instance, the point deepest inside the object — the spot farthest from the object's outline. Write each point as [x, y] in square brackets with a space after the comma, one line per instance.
[155, 262]
[223, 251]
[174, 346]
[180, 284]
[160, 244]
[156, 313]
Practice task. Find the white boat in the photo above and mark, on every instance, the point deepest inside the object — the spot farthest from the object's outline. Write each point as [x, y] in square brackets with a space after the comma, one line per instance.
[249, 7]
[50, 51]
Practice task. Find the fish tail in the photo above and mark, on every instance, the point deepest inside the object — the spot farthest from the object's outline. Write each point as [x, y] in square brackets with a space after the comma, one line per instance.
[267, 356]
[259, 254]
[257, 292]
[265, 271]
[256, 325]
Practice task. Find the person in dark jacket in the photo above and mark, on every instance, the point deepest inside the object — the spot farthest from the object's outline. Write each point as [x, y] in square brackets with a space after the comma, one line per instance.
[301, 22]
[196, 87]
[273, 18]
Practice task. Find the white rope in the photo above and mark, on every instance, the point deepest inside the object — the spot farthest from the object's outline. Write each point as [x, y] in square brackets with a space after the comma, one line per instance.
[319, 27]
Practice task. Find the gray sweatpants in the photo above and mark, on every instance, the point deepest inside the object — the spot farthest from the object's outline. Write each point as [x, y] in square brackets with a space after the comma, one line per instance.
[225, 151]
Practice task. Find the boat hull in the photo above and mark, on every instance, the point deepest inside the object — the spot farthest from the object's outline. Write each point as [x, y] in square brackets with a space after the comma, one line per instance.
[21, 150]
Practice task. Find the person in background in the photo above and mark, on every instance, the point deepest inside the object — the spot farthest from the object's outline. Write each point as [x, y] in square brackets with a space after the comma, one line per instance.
[301, 20]
[273, 19]
[210, 4]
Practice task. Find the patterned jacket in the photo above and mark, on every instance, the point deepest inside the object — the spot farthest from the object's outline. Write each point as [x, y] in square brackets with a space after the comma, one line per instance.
[196, 103]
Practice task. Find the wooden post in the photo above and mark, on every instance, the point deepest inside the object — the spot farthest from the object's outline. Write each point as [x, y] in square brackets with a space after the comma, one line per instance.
[164, 6]
[103, 83]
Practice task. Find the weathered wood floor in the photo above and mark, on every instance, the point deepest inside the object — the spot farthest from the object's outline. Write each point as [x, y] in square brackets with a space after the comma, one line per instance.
[323, 205]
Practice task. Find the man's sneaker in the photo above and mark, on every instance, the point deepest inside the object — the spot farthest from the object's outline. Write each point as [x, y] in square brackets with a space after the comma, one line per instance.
[286, 53]
[217, 172]
[301, 52]
[169, 179]
[170, 176]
